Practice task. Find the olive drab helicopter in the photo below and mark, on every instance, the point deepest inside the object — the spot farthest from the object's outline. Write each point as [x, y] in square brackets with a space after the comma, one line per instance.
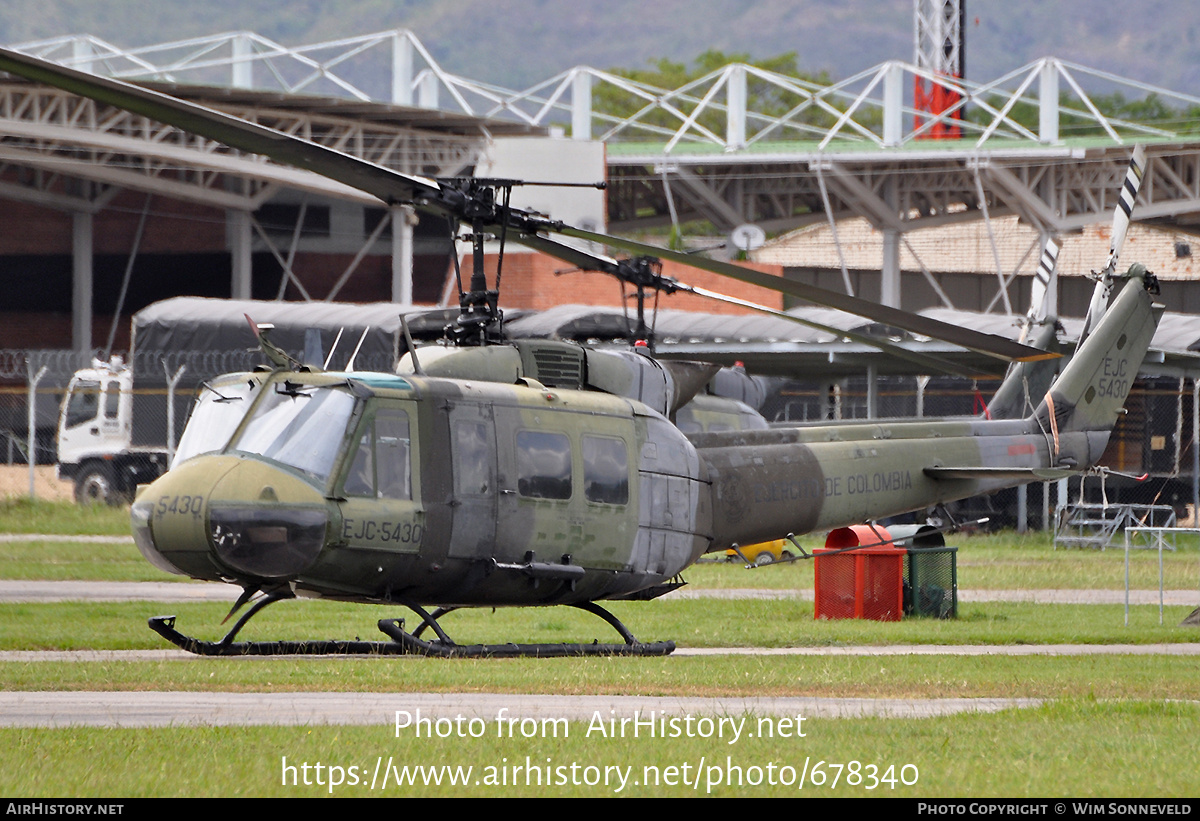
[534, 473]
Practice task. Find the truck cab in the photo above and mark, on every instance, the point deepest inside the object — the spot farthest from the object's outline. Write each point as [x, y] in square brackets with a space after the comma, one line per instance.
[95, 425]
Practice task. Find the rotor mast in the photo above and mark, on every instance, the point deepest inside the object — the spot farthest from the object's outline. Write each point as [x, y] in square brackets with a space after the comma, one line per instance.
[474, 200]
[479, 306]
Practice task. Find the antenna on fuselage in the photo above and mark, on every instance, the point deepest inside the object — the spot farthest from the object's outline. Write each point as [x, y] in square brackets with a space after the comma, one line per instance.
[357, 348]
[412, 350]
[333, 348]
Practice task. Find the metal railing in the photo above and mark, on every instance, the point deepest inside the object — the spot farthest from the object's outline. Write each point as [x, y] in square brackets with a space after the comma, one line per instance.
[1158, 538]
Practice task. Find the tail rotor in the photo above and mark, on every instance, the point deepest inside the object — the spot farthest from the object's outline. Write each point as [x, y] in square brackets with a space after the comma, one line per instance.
[1120, 227]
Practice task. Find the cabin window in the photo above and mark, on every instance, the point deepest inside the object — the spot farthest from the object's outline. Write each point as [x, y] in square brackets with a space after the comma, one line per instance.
[543, 465]
[605, 470]
[112, 399]
[685, 420]
[381, 468]
[472, 459]
[84, 403]
[217, 413]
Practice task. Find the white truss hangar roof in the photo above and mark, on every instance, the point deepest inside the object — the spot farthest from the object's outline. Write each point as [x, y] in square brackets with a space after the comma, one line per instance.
[724, 161]
[62, 136]
[375, 111]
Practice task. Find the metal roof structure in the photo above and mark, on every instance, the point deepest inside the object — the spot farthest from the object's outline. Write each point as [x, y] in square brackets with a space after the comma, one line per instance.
[701, 151]
[856, 146]
[62, 136]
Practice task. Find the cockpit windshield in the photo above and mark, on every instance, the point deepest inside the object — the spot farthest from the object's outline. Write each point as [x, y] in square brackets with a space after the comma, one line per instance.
[299, 425]
[219, 409]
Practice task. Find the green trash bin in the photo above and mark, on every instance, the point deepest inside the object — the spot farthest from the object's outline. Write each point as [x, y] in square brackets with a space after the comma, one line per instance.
[930, 572]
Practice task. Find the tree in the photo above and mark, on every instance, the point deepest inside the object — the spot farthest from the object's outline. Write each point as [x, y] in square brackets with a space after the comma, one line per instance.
[762, 95]
[1150, 110]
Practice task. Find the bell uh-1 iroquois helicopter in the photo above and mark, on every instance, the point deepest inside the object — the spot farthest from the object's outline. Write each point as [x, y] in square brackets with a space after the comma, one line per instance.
[542, 473]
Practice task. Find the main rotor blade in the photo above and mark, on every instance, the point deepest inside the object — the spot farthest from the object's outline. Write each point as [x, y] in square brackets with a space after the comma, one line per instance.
[596, 262]
[1040, 287]
[989, 344]
[932, 364]
[578, 257]
[388, 185]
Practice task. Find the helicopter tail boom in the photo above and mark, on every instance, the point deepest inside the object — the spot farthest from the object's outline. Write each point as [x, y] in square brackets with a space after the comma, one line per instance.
[769, 483]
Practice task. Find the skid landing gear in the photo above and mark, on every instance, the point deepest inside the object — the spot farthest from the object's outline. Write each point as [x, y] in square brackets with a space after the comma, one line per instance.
[405, 643]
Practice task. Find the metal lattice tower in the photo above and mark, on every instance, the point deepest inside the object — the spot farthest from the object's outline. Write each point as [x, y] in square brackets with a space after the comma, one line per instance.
[941, 50]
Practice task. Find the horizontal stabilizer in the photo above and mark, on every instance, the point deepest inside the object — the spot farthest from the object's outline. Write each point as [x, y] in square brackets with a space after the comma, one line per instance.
[1017, 474]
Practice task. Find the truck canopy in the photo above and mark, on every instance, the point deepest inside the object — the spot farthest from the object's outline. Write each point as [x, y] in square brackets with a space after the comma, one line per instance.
[211, 327]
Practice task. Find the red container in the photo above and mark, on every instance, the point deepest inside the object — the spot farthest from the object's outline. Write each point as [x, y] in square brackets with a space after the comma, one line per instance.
[864, 583]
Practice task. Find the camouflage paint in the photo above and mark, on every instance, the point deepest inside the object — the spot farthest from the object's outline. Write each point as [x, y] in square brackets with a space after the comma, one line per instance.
[470, 536]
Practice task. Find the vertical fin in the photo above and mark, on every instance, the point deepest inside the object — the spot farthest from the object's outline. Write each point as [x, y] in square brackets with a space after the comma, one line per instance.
[1027, 382]
[1094, 385]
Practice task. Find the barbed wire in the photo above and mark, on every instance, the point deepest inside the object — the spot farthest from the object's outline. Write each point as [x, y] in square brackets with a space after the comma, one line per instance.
[151, 366]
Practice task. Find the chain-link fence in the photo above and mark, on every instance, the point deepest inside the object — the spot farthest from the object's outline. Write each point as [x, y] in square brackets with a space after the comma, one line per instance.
[1154, 438]
[34, 382]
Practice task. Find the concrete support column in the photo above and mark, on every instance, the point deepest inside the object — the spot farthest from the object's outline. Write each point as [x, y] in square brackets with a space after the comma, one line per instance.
[81, 283]
[581, 106]
[1048, 102]
[735, 108]
[1046, 505]
[81, 55]
[402, 65]
[1195, 451]
[893, 105]
[243, 63]
[889, 281]
[239, 248]
[403, 220]
[427, 91]
[1023, 508]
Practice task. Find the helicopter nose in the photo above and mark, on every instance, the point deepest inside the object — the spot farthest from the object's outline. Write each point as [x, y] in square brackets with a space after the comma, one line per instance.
[270, 542]
[216, 517]
[265, 522]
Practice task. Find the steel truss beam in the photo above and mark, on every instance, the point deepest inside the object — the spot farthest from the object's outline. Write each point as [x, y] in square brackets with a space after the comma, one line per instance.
[51, 140]
[1056, 190]
[763, 171]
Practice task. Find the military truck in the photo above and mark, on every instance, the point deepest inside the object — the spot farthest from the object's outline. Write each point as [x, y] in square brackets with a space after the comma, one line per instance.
[95, 436]
[120, 419]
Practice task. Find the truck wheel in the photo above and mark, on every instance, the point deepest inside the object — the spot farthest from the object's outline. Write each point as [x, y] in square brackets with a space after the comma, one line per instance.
[95, 486]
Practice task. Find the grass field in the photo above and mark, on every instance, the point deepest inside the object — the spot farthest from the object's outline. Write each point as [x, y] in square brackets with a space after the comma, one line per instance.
[1109, 725]
[1064, 749]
